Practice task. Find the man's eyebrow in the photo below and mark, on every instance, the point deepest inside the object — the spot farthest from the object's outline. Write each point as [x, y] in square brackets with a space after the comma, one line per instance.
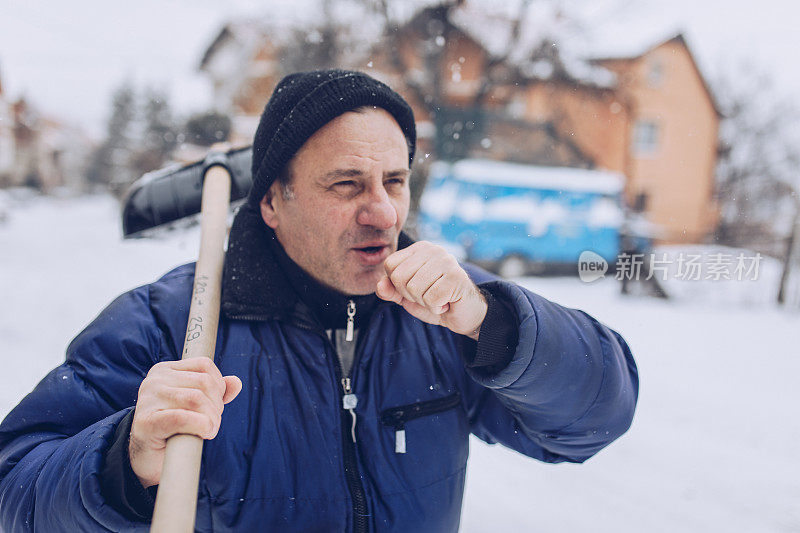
[340, 173]
[397, 173]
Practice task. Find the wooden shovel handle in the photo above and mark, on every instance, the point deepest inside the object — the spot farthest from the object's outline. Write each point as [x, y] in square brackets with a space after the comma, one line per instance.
[176, 503]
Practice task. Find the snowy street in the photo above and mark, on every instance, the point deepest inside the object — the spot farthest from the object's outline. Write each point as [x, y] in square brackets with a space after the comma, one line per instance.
[713, 446]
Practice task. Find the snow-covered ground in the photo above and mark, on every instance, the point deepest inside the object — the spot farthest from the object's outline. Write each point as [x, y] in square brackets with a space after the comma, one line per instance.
[713, 447]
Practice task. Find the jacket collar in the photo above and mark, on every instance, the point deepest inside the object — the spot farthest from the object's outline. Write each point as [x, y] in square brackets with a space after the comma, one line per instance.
[254, 286]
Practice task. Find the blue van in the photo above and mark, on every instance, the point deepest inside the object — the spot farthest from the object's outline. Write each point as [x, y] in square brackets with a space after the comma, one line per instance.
[519, 219]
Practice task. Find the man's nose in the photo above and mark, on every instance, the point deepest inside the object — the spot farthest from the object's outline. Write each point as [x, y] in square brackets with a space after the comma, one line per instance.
[378, 211]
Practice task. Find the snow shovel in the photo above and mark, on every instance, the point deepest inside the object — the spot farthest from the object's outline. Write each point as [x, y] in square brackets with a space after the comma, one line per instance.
[166, 197]
[171, 196]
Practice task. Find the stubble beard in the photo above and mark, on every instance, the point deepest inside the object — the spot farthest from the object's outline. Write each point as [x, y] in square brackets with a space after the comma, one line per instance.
[360, 272]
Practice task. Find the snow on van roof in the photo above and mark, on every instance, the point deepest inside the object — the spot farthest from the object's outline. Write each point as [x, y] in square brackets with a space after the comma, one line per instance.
[518, 175]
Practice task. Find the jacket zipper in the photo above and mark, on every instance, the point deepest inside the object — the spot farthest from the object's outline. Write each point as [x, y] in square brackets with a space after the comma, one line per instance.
[349, 402]
[351, 313]
[396, 417]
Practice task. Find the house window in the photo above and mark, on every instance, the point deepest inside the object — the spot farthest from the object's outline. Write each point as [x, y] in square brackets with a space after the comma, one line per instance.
[639, 203]
[655, 75]
[645, 138]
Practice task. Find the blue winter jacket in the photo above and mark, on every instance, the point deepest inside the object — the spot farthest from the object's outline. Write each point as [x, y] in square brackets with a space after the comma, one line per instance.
[278, 462]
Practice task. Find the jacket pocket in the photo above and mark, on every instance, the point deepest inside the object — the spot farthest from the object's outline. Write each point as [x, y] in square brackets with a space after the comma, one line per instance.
[396, 417]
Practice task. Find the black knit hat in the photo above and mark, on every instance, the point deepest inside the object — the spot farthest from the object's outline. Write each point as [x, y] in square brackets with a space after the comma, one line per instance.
[304, 102]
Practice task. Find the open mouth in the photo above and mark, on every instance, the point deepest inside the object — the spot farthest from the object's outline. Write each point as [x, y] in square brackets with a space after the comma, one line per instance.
[372, 255]
[371, 249]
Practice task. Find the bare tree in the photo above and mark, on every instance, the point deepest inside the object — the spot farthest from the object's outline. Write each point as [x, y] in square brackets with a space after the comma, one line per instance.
[756, 174]
[416, 51]
[757, 183]
[335, 37]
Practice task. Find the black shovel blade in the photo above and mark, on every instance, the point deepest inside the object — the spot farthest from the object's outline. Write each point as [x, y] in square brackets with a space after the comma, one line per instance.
[173, 193]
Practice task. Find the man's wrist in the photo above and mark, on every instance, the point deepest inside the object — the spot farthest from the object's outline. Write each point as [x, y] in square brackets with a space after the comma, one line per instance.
[495, 348]
[133, 450]
[484, 305]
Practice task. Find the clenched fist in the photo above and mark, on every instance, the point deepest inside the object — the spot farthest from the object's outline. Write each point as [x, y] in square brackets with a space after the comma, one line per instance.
[430, 284]
[176, 397]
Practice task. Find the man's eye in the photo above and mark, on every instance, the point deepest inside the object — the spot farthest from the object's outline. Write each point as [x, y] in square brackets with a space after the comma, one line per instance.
[344, 184]
[395, 181]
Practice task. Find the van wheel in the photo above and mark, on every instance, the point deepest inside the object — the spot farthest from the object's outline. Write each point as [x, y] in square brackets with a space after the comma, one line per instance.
[513, 266]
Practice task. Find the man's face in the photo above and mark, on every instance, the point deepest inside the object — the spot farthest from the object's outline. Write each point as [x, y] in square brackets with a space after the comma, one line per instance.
[349, 200]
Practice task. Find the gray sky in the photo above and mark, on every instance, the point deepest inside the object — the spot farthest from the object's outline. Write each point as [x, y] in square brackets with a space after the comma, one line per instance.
[67, 57]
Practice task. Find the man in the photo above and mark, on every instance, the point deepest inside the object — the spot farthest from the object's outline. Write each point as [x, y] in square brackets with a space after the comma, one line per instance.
[351, 362]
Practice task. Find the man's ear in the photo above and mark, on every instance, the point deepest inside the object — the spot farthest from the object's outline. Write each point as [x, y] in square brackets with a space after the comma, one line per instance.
[268, 211]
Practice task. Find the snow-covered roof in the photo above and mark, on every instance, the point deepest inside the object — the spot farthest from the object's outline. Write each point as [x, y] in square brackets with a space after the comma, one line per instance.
[492, 30]
[629, 44]
[249, 34]
[517, 175]
[641, 48]
[578, 70]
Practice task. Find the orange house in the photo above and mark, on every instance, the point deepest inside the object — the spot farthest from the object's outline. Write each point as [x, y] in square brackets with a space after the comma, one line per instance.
[672, 135]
